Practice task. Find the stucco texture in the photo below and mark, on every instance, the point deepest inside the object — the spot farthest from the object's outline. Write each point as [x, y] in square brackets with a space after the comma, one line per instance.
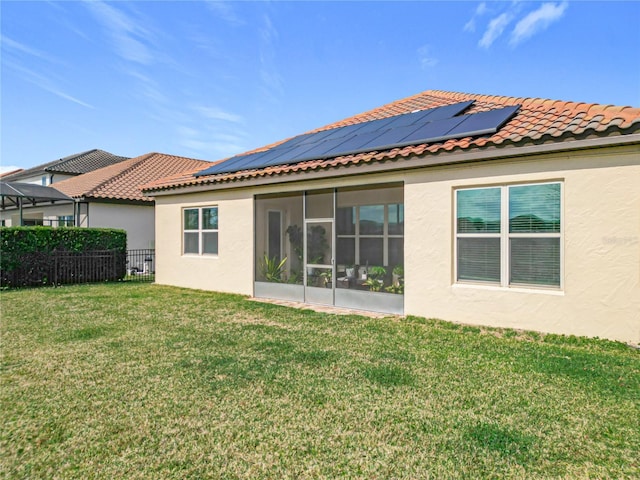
[600, 291]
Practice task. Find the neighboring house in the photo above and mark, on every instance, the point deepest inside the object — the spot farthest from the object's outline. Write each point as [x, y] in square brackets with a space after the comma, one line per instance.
[11, 172]
[64, 168]
[111, 197]
[16, 197]
[492, 210]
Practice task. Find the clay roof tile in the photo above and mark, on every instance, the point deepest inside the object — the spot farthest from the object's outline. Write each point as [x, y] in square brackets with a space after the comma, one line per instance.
[537, 120]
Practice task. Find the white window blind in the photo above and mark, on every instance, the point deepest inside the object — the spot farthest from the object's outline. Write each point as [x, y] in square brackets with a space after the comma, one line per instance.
[509, 235]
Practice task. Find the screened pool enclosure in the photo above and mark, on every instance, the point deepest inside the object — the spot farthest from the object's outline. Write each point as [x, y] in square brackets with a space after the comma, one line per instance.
[342, 247]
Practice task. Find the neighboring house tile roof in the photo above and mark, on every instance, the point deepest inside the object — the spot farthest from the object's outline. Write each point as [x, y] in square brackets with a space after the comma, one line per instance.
[538, 121]
[85, 162]
[11, 172]
[123, 181]
[75, 164]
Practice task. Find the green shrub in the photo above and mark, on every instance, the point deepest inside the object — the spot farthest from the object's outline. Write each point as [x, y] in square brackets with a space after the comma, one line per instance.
[33, 256]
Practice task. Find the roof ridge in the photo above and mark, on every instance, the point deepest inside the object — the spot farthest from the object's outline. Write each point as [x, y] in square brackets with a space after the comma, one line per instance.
[135, 163]
[610, 111]
[73, 156]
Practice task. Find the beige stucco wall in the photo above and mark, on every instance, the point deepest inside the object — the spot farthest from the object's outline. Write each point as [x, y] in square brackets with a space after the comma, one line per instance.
[232, 270]
[601, 223]
[137, 220]
[229, 271]
[600, 295]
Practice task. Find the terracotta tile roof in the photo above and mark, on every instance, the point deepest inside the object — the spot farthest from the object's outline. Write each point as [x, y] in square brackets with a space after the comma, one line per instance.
[11, 172]
[85, 162]
[124, 180]
[75, 164]
[537, 121]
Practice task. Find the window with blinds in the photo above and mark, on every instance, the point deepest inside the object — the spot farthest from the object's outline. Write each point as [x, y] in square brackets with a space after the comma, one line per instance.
[509, 235]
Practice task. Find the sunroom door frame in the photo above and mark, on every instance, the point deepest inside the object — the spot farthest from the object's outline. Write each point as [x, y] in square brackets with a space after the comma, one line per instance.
[316, 294]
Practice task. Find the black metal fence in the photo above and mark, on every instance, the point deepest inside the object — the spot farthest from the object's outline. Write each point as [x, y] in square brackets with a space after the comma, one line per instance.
[64, 268]
[141, 265]
[61, 268]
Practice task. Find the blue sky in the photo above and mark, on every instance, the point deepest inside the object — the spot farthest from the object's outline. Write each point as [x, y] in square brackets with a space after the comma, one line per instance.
[211, 79]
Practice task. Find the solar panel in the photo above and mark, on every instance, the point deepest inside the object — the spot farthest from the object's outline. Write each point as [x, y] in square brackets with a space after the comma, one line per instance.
[483, 123]
[353, 144]
[292, 153]
[390, 137]
[424, 126]
[321, 148]
[317, 136]
[429, 115]
[408, 119]
[448, 111]
[245, 161]
[433, 130]
[233, 164]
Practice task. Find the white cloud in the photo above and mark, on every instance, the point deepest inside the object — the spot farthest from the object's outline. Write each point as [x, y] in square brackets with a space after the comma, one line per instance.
[130, 38]
[8, 168]
[495, 29]
[269, 74]
[149, 89]
[45, 83]
[426, 57]
[225, 11]
[212, 133]
[211, 150]
[537, 21]
[215, 113]
[470, 26]
[9, 44]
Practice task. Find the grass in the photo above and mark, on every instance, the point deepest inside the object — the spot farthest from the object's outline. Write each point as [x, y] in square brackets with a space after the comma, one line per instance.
[146, 381]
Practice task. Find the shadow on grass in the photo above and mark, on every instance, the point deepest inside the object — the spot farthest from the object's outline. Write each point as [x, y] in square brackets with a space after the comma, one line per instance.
[388, 375]
[506, 442]
[83, 334]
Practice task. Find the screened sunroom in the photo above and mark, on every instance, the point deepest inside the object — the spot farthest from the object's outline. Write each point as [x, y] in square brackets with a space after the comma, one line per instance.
[339, 246]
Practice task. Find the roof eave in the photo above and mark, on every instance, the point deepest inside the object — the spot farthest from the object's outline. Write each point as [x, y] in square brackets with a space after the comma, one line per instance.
[495, 152]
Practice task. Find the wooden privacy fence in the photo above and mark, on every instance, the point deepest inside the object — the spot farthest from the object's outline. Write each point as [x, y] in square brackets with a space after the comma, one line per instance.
[59, 268]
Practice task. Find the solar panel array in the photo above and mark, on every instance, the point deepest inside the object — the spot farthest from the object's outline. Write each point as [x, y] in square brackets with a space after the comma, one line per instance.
[424, 126]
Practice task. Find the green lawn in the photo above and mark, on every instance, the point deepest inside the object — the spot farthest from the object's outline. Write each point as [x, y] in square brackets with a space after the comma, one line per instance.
[145, 381]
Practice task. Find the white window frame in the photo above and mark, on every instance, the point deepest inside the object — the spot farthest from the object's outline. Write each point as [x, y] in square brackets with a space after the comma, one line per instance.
[505, 238]
[65, 221]
[200, 231]
[385, 235]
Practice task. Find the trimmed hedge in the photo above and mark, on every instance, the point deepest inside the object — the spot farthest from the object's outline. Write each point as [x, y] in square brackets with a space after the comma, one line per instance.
[33, 256]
